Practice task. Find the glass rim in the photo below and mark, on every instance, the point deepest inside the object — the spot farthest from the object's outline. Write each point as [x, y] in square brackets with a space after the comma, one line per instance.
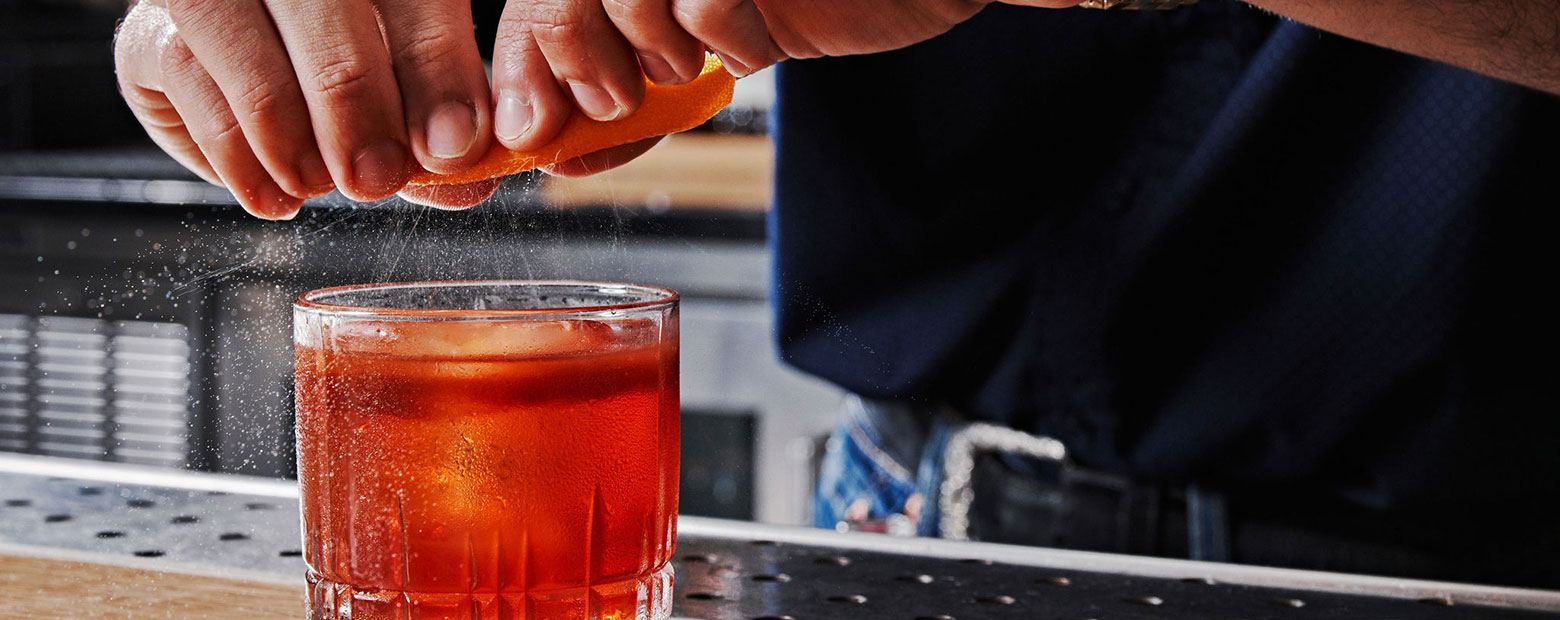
[309, 300]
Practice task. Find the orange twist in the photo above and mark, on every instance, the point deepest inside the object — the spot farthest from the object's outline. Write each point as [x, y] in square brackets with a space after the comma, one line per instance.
[666, 110]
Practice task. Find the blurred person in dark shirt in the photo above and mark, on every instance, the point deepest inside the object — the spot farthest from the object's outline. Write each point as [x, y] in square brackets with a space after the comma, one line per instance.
[1272, 286]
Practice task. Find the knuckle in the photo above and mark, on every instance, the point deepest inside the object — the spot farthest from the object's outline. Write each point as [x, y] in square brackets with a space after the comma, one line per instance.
[224, 129]
[143, 101]
[557, 23]
[261, 101]
[705, 15]
[174, 56]
[341, 80]
[158, 116]
[512, 23]
[429, 46]
[128, 41]
[691, 15]
[631, 11]
[185, 12]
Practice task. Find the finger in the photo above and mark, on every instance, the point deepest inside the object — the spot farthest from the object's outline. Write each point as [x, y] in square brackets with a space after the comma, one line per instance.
[452, 197]
[529, 106]
[211, 124]
[605, 159]
[734, 29]
[443, 85]
[589, 56]
[241, 51]
[136, 53]
[667, 53]
[344, 70]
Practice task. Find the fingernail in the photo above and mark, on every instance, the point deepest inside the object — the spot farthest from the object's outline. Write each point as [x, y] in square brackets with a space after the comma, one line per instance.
[316, 176]
[733, 66]
[658, 70]
[269, 202]
[380, 167]
[513, 117]
[595, 101]
[452, 130]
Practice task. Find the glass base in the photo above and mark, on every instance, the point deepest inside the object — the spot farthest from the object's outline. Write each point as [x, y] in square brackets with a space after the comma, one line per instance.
[648, 597]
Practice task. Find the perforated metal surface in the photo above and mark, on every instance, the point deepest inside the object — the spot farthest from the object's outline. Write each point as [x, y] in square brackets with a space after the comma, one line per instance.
[769, 573]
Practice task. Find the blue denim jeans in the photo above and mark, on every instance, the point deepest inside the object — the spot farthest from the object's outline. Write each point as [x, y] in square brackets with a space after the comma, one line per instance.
[883, 462]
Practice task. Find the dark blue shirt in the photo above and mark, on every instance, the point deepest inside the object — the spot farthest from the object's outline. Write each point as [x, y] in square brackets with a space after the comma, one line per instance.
[1200, 244]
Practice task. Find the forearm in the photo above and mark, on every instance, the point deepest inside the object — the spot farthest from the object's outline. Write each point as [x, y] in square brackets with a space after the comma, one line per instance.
[1515, 40]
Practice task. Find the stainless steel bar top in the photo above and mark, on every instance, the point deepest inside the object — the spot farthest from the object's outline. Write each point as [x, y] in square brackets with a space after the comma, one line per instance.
[188, 522]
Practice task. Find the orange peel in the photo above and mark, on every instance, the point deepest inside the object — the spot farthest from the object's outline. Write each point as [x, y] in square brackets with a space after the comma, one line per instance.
[666, 110]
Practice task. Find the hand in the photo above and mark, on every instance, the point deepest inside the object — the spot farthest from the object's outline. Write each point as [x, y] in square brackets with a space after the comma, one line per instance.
[553, 55]
[288, 99]
[225, 87]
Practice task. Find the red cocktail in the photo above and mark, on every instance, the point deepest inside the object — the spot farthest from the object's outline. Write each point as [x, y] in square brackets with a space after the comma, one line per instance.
[488, 449]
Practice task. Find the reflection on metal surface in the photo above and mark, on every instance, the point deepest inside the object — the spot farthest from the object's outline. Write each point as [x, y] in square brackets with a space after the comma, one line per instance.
[42, 466]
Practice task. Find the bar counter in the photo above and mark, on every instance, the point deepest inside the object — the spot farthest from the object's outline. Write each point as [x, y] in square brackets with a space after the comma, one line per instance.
[86, 540]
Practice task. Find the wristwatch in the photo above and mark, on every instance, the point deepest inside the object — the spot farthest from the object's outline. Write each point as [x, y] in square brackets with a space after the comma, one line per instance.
[1136, 4]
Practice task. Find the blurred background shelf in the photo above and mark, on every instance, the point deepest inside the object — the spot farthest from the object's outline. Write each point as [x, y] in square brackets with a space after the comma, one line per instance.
[685, 171]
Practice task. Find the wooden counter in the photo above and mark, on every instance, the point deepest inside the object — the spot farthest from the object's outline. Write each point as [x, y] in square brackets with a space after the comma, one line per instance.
[41, 584]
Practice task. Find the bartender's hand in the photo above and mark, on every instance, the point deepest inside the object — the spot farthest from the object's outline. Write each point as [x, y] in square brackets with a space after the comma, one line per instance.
[554, 54]
[287, 99]
[281, 100]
